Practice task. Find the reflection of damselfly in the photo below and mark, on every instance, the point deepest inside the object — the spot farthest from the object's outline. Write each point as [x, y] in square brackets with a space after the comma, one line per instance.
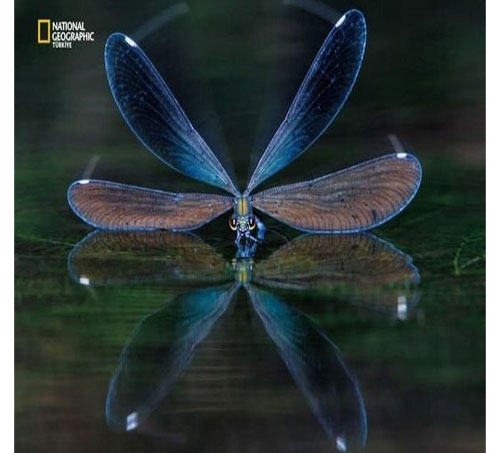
[352, 200]
[360, 268]
[163, 345]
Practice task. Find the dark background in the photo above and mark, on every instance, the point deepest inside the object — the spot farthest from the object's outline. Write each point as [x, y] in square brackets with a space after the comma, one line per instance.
[234, 67]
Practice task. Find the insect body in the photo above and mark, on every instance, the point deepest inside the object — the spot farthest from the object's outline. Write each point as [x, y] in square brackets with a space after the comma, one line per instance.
[243, 221]
[351, 200]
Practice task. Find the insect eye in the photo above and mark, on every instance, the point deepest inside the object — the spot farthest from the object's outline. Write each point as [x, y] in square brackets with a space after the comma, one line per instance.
[251, 222]
[233, 223]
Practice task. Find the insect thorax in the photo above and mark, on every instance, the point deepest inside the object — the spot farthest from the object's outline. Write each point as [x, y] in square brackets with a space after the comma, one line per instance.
[242, 207]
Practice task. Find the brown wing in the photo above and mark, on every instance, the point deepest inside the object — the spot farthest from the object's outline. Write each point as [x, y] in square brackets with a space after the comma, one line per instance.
[328, 260]
[351, 200]
[358, 268]
[126, 257]
[114, 206]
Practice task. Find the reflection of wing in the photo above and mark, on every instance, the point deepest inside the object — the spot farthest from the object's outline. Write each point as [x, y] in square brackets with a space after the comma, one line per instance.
[318, 369]
[159, 352]
[113, 206]
[348, 201]
[312, 261]
[358, 268]
[152, 112]
[320, 97]
[110, 258]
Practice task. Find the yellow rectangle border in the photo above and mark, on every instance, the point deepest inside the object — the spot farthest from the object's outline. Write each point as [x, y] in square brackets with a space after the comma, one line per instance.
[40, 22]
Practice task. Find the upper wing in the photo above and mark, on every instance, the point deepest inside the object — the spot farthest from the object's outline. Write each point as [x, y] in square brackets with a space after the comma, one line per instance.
[348, 201]
[152, 112]
[114, 206]
[320, 97]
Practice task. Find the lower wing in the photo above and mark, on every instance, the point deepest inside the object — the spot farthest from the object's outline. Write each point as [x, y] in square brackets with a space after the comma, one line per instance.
[106, 258]
[328, 260]
[317, 367]
[351, 200]
[113, 206]
[159, 352]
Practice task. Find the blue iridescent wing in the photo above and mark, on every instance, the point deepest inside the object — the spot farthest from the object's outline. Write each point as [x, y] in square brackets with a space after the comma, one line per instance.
[113, 206]
[159, 352]
[320, 97]
[316, 365]
[352, 200]
[154, 115]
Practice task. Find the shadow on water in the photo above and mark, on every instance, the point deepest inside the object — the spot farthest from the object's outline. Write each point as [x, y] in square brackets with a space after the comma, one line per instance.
[368, 271]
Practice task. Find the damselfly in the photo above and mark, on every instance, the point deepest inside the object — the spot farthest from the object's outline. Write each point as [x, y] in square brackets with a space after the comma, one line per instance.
[351, 200]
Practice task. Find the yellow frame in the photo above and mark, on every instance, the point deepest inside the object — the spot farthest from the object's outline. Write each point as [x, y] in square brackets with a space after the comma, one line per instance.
[40, 22]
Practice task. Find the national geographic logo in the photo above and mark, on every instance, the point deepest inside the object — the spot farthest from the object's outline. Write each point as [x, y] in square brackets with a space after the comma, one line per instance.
[43, 31]
[62, 34]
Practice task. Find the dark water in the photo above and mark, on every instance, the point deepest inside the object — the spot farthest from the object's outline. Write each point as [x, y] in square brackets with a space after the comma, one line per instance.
[154, 342]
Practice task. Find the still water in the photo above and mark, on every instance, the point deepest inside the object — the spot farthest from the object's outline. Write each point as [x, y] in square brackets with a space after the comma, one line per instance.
[162, 341]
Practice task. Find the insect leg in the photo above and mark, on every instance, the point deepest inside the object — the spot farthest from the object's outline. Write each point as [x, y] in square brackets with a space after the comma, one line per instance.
[261, 229]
